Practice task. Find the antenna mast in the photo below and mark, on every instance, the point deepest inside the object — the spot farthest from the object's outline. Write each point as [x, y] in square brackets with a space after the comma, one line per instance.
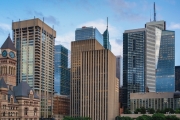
[107, 22]
[154, 12]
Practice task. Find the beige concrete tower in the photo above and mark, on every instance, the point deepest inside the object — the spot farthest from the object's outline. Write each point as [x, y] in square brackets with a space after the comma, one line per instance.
[34, 41]
[8, 62]
[94, 86]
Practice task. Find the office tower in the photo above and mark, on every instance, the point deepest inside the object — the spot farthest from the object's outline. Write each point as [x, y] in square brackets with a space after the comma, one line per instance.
[8, 62]
[106, 42]
[86, 33]
[151, 53]
[165, 71]
[34, 41]
[99, 85]
[61, 70]
[118, 68]
[177, 78]
[133, 63]
[93, 69]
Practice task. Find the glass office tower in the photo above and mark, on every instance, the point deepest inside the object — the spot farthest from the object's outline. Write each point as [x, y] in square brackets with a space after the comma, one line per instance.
[62, 72]
[177, 78]
[133, 63]
[106, 42]
[86, 33]
[165, 71]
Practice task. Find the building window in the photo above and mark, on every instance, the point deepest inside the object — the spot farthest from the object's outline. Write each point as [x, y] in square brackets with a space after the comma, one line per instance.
[4, 114]
[26, 111]
[35, 111]
[134, 78]
[134, 45]
[134, 61]
[11, 100]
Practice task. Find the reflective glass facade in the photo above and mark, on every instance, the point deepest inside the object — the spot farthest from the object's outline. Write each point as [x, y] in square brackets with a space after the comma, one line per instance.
[86, 33]
[106, 42]
[61, 70]
[165, 72]
[133, 63]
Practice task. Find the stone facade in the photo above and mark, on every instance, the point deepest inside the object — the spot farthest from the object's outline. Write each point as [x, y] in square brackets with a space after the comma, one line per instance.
[16, 102]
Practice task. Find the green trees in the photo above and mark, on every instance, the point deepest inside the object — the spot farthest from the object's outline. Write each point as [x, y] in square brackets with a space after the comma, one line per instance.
[123, 118]
[144, 117]
[78, 118]
[156, 116]
[127, 111]
[142, 110]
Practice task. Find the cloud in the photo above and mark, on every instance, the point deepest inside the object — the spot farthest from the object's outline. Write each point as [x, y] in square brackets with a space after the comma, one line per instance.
[127, 10]
[174, 26]
[4, 28]
[50, 19]
[65, 39]
[114, 33]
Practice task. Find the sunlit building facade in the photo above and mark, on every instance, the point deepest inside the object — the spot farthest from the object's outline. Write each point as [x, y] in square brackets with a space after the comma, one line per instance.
[34, 41]
[151, 52]
[165, 66]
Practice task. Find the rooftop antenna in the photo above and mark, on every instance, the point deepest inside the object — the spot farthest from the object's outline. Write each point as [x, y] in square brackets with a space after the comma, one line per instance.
[150, 15]
[107, 22]
[154, 12]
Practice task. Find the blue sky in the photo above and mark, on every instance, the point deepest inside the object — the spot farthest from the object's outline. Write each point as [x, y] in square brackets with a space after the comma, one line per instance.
[67, 15]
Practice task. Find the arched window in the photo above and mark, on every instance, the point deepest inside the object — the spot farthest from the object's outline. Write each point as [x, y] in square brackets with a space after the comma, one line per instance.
[11, 100]
[26, 111]
[35, 111]
[4, 114]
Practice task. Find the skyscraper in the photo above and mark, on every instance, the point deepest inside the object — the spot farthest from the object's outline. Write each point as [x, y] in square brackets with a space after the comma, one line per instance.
[106, 42]
[61, 70]
[151, 53]
[165, 71]
[133, 63]
[94, 86]
[34, 41]
[177, 78]
[86, 33]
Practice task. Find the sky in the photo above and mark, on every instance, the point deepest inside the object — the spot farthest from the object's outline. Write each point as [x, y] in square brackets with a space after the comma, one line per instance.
[67, 15]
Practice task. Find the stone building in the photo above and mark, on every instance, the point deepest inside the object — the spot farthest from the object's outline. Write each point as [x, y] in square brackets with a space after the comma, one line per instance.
[16, 102]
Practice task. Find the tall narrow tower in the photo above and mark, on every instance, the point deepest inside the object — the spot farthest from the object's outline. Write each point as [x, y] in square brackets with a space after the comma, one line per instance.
[106, 43]
[34, 41]
[8, 62]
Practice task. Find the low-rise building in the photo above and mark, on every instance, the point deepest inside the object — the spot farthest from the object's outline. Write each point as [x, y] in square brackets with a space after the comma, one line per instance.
[61, 106]
[155, 100]
[18, 102]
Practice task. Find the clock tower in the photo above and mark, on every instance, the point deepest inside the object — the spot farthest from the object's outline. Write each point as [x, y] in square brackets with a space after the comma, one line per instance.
[8, 62]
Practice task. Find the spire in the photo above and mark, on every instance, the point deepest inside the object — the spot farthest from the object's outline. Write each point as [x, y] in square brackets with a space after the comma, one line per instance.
[8, 44]
[154, 12]
[107, 22]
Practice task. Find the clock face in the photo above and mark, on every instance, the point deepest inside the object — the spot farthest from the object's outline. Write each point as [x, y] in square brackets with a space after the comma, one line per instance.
[11, 54]
[4, 53]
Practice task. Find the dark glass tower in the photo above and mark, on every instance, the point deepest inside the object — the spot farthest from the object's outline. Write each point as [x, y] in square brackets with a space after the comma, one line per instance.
[177, 78]
[165, 72]
[106, 43]
[62, 72]
[133, 63]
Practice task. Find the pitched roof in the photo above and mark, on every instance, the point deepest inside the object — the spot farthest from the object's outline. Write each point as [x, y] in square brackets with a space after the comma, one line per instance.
[8, 44]
[2, 83]
[23, 90]
[9, 96]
